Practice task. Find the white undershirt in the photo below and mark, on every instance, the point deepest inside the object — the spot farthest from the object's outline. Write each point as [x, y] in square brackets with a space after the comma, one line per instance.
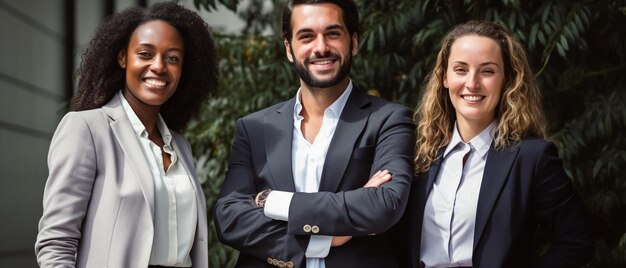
[307, 165]
[450, 212]
[175, 209]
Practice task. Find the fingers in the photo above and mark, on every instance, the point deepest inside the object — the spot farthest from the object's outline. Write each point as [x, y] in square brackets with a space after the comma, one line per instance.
[378, 179]
[340, 240]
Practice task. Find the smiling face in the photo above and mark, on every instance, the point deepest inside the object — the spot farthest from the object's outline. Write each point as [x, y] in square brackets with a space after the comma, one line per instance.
[153, 61]
[321, 47]
[474, 79]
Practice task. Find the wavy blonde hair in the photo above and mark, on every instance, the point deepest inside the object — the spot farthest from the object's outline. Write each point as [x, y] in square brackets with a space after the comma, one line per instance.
[519, 112]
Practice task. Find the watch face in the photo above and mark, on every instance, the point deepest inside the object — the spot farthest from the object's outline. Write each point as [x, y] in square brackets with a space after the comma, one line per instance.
[262, 197]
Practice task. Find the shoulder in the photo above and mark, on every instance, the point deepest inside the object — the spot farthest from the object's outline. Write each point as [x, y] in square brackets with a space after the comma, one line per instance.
[535, 145]
[537, 152]
[90, 118]
[379, 107]
[386, 111]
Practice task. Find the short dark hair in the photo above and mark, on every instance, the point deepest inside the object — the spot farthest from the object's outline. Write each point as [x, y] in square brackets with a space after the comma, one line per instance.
[348, 8]
[100, 76]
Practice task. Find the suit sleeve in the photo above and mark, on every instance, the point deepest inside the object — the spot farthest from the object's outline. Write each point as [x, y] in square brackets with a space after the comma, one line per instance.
[239, 222]
[72, 169]
[364, 211]
[558, 209]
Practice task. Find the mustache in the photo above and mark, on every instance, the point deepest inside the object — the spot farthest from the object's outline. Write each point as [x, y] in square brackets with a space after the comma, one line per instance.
[328, 54]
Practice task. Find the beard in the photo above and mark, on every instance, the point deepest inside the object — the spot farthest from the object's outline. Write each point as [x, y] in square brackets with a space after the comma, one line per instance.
[307, 77]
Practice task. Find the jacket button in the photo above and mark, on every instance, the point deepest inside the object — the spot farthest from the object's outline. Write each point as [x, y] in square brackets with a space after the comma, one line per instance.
[315, 229]
[289, 264]
[269, 260]
[306, 228]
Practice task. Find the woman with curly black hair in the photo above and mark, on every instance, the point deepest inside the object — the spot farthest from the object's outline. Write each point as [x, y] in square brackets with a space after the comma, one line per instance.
[122, 190]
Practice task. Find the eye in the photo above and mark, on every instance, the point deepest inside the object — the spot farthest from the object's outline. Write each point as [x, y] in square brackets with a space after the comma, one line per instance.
[334, 34]
[305, 37]
[144, 54]
[172, 59]
[459, 70]
[489, 71]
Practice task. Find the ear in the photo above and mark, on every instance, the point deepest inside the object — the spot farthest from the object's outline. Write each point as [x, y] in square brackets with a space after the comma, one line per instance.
[288, 50]
[121, 58]
[445, 80]
[355, 44]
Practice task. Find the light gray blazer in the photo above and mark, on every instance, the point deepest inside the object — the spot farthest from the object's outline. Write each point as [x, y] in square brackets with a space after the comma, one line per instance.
[98, 204]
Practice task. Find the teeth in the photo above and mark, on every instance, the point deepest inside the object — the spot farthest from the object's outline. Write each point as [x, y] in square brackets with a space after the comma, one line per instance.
[322, 62]
[472, 98]
[155, 82]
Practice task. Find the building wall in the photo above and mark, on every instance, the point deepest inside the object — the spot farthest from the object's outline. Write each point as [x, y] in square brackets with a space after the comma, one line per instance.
[31, 103]
[33, 100]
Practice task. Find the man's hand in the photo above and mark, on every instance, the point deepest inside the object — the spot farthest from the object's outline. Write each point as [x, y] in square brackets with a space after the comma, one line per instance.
[379, 178]
[340, 240]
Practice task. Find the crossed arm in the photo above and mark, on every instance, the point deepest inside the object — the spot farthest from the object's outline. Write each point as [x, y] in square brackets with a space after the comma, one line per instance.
[373, 209]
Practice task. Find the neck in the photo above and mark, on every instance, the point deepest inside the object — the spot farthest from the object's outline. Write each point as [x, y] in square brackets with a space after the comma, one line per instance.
[470, 129]
[147, 114]
[316, 100]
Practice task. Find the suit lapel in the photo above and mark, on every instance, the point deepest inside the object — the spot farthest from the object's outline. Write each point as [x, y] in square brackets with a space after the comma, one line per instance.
[351, 123]
[278, 133]
[127, 139]
[419, 192]
[185, 157]
[432, 176]
[496, 174]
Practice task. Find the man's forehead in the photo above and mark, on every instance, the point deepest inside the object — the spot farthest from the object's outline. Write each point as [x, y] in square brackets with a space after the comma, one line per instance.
[325, 15]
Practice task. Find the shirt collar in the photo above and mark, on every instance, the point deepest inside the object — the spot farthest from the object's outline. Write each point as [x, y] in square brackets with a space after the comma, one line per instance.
[139, 128]
[481, 143]
[334, 110]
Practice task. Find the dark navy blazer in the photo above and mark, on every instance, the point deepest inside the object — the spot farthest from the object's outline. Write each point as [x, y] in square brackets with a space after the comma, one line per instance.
[524, 187]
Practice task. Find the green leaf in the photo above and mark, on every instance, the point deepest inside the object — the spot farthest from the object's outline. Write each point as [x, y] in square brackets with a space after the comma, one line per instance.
[532, 38]
[563, 43]
[546, 12]
[542, 38]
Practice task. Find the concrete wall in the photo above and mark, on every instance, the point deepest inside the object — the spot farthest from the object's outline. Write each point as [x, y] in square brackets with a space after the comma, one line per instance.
[31, 103]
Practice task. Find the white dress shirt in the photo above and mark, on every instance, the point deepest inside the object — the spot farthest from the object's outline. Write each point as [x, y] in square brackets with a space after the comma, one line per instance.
[307, 164]
[175, 209]
[450, 212]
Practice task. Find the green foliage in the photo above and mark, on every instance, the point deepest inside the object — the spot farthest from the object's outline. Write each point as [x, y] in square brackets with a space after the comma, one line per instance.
[254, 75]
[577, 48]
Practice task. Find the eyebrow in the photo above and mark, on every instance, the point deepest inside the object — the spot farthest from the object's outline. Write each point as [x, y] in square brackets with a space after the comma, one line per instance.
[150, 45]
[482, 64]
[330, 27]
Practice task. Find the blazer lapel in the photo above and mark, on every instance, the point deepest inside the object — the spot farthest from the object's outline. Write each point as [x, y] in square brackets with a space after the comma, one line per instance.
[126, 137]
[278, 133]
[496, 174]
[419, 192]
[350, 125]
[185, 157]
[432, 176]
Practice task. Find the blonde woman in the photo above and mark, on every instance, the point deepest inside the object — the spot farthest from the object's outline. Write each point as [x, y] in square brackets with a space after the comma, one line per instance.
[486, 177]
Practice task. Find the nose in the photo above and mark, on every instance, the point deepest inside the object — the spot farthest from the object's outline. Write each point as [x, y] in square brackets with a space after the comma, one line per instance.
[472, 82]
[158, 65]
[321, 47]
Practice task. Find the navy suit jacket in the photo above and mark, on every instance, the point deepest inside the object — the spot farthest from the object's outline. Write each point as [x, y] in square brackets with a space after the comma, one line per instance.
[523, 187]
[371, 135]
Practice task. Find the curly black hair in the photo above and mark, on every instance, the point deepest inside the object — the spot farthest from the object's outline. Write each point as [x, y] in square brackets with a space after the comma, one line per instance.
[100, 76]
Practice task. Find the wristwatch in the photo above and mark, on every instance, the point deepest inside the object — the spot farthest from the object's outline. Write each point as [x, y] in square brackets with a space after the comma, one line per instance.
[262, 197]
